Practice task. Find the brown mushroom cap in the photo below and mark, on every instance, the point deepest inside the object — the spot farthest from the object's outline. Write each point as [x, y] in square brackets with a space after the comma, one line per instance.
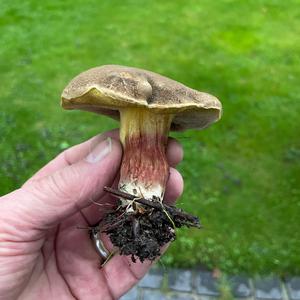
[108, 88]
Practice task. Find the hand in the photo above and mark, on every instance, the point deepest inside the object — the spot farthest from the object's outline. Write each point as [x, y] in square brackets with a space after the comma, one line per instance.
[43, 255]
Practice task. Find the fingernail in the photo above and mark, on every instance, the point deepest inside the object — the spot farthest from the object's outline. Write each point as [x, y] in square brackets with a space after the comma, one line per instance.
[99, 151]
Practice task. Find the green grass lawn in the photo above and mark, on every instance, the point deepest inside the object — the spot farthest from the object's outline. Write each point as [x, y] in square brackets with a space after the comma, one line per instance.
[241, 175]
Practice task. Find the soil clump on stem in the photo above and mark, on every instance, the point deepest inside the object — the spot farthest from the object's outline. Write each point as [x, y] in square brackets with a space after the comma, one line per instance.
[142, 227]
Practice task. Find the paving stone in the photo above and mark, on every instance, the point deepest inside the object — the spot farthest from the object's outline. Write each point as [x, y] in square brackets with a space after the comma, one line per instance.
[153, 295]
[133, 294]
[206, 284]
[205, 297]
[179, 296]
[153, 279]
[293, 288]
[267, 288]
[240, 286]
[180, 280]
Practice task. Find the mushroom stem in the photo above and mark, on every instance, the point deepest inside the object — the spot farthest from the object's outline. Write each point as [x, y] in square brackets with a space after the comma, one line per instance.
[144, 169]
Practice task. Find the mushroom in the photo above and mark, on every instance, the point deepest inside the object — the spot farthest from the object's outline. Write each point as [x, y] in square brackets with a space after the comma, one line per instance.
[148, 105]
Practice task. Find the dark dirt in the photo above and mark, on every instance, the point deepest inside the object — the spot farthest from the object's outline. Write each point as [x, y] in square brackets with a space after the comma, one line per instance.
[141, 234]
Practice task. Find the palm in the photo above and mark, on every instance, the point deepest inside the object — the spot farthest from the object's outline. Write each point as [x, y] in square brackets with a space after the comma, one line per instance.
[71, 265]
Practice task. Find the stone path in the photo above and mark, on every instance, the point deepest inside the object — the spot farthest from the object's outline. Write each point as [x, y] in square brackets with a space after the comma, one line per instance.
[180, 284]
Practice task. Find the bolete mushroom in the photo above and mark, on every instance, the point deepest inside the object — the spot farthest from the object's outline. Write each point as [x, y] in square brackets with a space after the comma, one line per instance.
[148, 106]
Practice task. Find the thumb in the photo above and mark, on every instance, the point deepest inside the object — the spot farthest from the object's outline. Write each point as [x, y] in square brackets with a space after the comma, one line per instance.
[46, 202]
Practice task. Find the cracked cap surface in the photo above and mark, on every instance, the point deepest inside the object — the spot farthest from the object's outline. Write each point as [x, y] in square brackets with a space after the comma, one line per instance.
[108, 88]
